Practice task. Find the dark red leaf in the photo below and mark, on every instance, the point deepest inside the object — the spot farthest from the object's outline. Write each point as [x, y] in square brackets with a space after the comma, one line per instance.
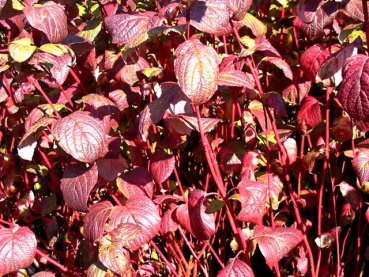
[161, 166]
[137, 210]
[50, 18]
[110, 169]
[131, 28]
[275, 101]
[306, 9]
[236, 268]
[230, 156]
[313, 58]
[196, 68]
[185, 123]
[323, 17]
[137, 182]
[95, 219]
[275, 243]
[81, 136]
[347, 214]
[2, 4]
[211, 16]
[17, 249]
[354, 90]
[76, 185]
[43, 274]
[309, 115]
[253, 201]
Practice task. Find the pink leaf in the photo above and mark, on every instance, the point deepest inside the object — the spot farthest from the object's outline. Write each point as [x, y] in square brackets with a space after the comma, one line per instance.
[138, 210]
[196, 68]
[261, 44]
[50, 18]
[309, 115]
[354, 9]
[190, 121]
[211, 16]
[250, 162]
[137, 182]
[253, 201]
[59, 69]
[120, 99]
[17, 249]
[131, 29]
[76, 185]
[81, 136]
[161, 166]
[234, 78]
[95, 220]
[236, 268]
[350, 194]
[114, 256]
[239, 8]
[354, 90]
[360, 164]
[275, 243]
[168, 223]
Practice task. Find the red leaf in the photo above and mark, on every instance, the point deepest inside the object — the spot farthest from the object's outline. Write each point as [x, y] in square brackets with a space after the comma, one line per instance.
[253, 201]
[239, 8]
[275, 243]
[261, 44]
[168, 223]
[131, 28]
[323, 17]
[95, 220]
[354, 90]
[307, 9]
[281, 64]
[128, 74]
[161, 166]
[211, 16]
[139, 210]
[76, 185]
[97, 269]
[50, 18]
[275, 101]
[230, 156]
[309, 115]
[234, 78]
[250, 162]
[360, 164]
[137, 182]
[196, 68]
[17, 249]
[236, 268]
[81, 136]
[202, 224]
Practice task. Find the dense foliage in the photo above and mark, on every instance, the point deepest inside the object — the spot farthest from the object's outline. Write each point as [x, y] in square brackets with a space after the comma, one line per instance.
[184, 138]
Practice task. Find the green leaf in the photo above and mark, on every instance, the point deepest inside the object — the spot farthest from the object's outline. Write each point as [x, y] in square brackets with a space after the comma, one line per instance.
[22, 49]
[91, 30]
[214, 206]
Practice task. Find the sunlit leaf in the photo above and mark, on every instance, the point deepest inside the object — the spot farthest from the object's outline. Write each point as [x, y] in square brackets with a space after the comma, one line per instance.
[236, 268]
[22, 49]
